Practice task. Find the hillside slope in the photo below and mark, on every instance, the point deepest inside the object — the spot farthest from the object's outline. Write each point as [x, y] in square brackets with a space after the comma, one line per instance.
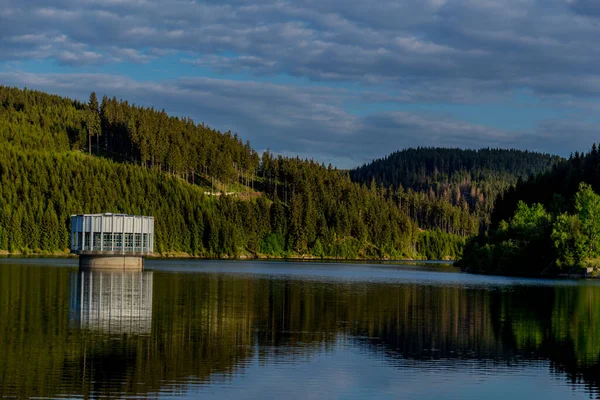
[144, 161]
[468, 179]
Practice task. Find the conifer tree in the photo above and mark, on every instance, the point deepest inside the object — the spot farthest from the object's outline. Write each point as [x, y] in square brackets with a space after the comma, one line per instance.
[49, 229]
[15, 234]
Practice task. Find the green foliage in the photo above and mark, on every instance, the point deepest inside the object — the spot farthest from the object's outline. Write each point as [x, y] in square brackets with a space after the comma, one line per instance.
[452, 189]
[529, 222]
[521, 246]
[15, 234]
[568, 240]
[535, 241]
[147, 162]
[439, 245]
[273, 244]
[587, 206]
[317, 249]
[50, 239]
[347, 248]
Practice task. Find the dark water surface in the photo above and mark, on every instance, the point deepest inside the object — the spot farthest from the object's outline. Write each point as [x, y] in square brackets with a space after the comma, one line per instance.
[205, 329]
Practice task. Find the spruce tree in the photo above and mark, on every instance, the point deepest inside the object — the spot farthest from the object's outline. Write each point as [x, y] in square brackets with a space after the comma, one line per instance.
[15, 234]
[50, 229]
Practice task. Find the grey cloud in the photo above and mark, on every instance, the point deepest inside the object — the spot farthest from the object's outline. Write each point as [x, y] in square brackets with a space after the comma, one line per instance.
[132, 55]
[567, 135]
[57, 46]
[238, 64]
[490, 45]
[309, 121]
[584, 7]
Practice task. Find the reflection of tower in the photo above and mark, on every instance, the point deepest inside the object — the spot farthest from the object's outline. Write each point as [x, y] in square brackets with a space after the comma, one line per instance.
[112, 302]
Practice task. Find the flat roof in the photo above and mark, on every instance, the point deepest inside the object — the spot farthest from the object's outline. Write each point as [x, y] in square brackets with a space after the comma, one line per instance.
[110, 214]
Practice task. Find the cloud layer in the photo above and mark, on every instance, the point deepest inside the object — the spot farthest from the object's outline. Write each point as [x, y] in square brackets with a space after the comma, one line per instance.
[309, 122]
[334, 79]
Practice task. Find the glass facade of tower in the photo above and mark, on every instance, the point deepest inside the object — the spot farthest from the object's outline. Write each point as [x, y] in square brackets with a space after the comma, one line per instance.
[112, 234]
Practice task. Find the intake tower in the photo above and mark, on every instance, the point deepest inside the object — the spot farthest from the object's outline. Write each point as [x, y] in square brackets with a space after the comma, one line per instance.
[112, 241]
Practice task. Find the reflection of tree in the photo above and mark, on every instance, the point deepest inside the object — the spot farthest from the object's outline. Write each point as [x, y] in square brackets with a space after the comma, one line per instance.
[211, 323]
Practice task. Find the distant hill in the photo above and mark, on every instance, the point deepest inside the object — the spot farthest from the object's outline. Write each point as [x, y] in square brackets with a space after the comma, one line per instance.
[464, 178]
[423, 168]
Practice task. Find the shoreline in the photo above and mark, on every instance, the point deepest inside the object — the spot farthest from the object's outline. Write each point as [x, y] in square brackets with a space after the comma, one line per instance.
[185, 256]
[583, 273]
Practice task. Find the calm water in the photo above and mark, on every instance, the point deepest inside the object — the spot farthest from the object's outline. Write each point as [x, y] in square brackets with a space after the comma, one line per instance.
[293, 330]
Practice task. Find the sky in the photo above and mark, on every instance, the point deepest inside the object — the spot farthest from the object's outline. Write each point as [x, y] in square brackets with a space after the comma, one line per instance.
[338, 81]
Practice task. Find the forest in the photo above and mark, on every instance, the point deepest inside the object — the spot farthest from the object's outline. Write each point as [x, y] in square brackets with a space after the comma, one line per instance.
[213, 195]
[547, 224]
[61, 157]
[459, 181]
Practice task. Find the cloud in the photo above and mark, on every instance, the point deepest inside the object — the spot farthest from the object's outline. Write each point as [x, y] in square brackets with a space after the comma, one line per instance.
[234, 65]
[308, 121]
[492, 45]
[585, 7]
[351, 70]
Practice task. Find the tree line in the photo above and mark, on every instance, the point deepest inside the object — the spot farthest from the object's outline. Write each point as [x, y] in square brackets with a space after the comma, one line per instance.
[122, 131]
[454, 181]
[325, 216]
[549, 223]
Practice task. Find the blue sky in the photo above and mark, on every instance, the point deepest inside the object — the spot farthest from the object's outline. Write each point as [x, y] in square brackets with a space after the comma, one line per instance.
[335, 80]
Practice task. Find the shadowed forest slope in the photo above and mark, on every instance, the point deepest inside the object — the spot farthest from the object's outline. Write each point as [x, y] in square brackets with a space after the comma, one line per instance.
[434, 181]
[547, 224]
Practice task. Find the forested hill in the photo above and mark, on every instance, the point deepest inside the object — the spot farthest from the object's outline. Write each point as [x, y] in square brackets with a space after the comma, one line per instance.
[549, 223]
[60, 157]
[470, 179]
[554, 189]
[116, 129]
[425, 168]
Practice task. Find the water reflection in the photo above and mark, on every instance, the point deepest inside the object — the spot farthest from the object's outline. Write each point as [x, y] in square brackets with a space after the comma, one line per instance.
[111, 302]
[151, 334]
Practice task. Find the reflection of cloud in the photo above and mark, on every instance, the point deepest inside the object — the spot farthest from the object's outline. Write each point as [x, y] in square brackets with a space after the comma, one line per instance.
[347, 371]
[112, 302]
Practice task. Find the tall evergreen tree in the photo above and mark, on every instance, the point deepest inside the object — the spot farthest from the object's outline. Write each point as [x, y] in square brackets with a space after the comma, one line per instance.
[50, 229]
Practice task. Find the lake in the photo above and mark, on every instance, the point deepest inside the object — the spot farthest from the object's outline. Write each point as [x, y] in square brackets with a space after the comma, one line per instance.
[256, 329]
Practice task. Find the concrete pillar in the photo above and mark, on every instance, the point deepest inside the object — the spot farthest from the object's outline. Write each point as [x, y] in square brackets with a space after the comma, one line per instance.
[129, 263]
